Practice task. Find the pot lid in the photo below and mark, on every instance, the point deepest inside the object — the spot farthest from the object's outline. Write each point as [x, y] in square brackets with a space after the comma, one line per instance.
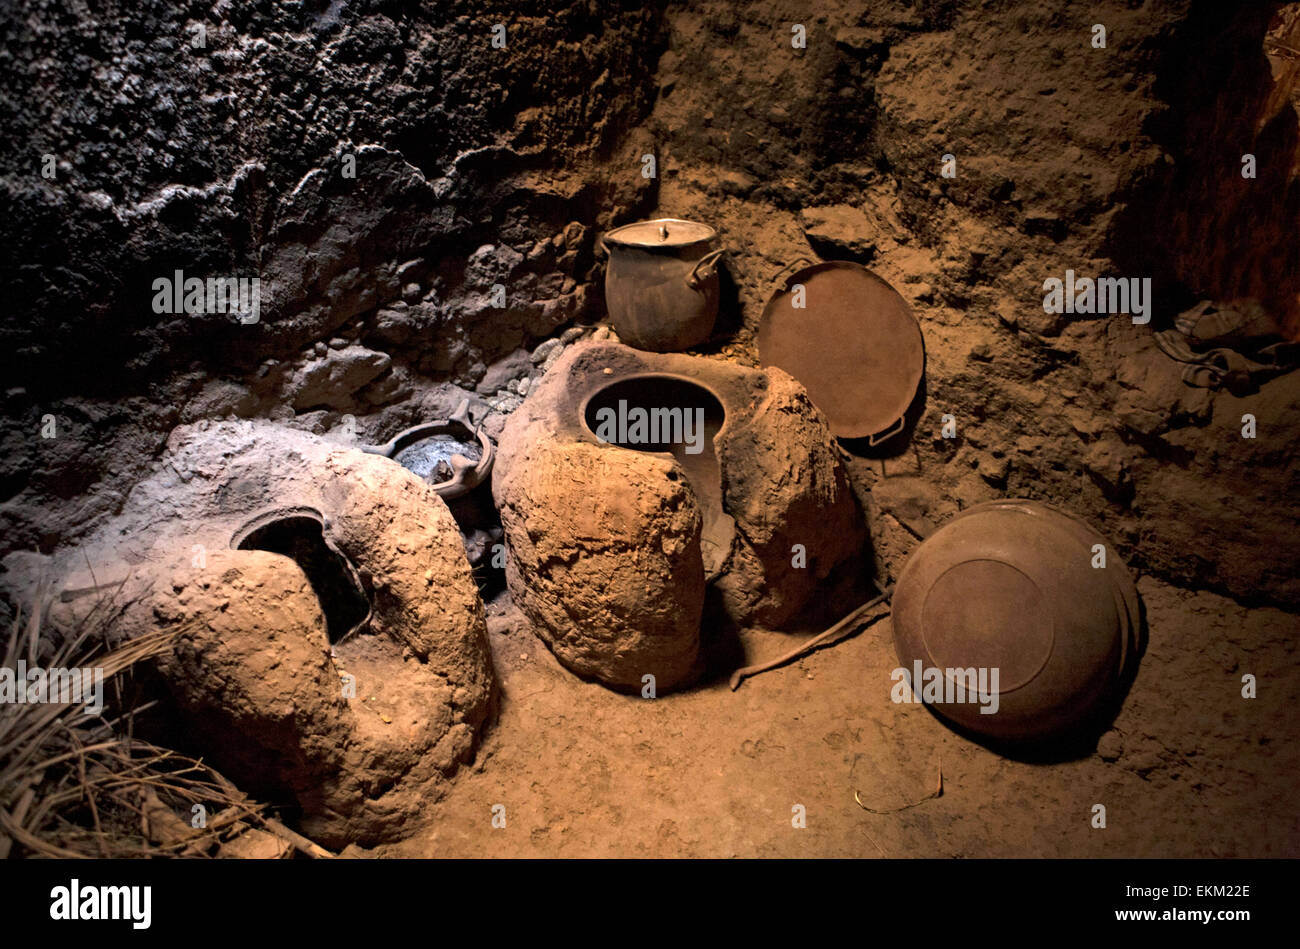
[664, 232]
[851, 340]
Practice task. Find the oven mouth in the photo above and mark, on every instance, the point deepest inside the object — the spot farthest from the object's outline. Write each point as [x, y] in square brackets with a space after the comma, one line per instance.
[655, 412]
[299, 534]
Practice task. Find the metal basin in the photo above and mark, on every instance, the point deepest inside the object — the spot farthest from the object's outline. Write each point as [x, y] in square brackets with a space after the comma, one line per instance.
[1010, 586]
[453, 455]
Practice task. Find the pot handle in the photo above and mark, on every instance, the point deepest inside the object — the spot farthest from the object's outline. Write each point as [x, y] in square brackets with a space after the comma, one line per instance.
[694, 279]
[791, 265]
[874, 440]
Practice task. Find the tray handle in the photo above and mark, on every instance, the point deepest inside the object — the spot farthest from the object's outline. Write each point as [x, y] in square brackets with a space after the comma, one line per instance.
[874, 440]
[791, 266]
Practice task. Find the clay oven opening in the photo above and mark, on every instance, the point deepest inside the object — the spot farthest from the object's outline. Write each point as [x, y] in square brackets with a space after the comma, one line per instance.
[299, 534]
[656, 412]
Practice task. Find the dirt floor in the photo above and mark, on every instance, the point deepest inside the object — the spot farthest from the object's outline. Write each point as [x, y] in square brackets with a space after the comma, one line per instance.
[1190, 769]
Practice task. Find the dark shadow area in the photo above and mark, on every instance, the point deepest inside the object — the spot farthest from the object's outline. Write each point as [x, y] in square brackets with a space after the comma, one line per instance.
[669, 404]
[1222, 236]
[484, 538]
[730, 315]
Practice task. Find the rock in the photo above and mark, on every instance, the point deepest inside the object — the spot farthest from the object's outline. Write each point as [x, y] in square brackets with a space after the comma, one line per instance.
[544, 349]
[1086, 424]
[575, 232]
[491, 264]
[503, 370]
[410, 271]
[1107, 461]
[254, 844]
[218, 399]
[971, 489]
[737, 184]
[505, 403]
[840, 230]
[861, 40]
[391, 387]
[1110, 746]
[993, 469]
[332, 380]
[404, 325]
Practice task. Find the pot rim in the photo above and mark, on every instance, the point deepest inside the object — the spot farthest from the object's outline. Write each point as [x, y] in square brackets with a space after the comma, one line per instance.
[613, 237]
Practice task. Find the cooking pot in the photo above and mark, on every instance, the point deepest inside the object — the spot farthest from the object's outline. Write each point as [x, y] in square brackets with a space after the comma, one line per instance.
[661, 283]
[420, 449]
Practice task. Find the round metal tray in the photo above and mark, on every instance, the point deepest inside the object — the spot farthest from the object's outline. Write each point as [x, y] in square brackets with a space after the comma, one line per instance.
[854, 345]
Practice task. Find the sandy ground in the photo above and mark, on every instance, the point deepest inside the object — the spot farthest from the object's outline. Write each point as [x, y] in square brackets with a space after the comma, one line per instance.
[1197, 770]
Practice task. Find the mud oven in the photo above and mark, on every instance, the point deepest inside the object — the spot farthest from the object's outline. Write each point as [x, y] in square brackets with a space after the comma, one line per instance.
[619, 532]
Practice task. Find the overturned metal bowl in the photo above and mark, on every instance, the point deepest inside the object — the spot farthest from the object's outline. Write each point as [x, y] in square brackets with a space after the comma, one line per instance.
[1126, 596]
[1006, 596]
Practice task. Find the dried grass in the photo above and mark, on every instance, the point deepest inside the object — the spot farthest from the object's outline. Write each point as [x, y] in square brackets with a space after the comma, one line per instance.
[76, 785]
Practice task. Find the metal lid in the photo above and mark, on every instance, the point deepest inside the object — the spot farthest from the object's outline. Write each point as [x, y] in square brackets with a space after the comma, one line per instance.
[664, 232]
